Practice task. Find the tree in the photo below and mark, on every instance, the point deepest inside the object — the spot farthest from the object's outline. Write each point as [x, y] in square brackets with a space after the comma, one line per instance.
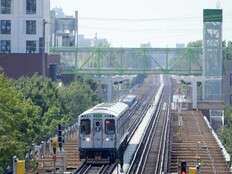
[101, 43]
[31, 109]
[195, 44]
[225, 133]
[16, 127]
[191, 55]
[92, 84]
[56, 105]
[76, 98]
[44, 94]
[189, 59]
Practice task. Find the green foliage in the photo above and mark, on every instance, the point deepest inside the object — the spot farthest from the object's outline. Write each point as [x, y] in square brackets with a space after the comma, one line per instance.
[227, 55]
[228, 116]
[225, 136]
[226, 132]
[195, 44]
[45, 94]
[78, 97]
[31, 109]
[93, 85]
[101, 43]
[191, 59]
[16, 128]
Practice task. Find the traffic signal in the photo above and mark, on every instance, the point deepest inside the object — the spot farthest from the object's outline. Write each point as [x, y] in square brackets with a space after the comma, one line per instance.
[183, 167]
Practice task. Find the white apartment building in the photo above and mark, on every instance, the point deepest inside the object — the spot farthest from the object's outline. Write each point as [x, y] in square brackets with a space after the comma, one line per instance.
[21, 26]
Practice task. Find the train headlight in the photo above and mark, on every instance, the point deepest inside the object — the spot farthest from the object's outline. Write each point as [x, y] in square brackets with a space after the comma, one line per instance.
[107, 139]
[87, 139]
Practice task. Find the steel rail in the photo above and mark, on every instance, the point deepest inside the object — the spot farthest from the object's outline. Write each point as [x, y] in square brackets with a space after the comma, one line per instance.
[148, 142]
[81, 168]
[154, 151]
[160, 158]
[139, 110]
[96, 169]
[162, 133]
[140, 147]
[136, 122]
[165, 144]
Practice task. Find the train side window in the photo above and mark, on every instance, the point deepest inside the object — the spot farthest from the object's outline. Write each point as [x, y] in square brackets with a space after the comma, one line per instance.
[85, 126]
[110, 126]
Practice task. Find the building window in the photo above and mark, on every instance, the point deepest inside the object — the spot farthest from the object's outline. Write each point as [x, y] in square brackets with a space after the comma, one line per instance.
[31, 6]
[30, 46]
[5, 46]
[5, 26]
[5, 6]
[31, 27]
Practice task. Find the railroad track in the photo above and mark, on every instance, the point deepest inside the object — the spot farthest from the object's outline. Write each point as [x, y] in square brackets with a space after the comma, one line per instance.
[145, 93]
[88, 168]
[151, 153]
[137, 118]
[155, 149]
[141, 108]
[146, 96]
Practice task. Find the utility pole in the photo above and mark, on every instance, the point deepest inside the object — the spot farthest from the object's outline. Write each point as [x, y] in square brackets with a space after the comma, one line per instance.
[76, 43]
[43, 48]
[76, 38]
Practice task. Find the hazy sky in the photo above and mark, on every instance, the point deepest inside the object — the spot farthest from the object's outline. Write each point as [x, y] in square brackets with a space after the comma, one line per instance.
[128, 23]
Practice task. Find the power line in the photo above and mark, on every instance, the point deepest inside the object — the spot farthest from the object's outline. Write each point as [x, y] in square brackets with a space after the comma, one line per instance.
[190, 29]
[138, 30]
[147, 19]
[135, 20]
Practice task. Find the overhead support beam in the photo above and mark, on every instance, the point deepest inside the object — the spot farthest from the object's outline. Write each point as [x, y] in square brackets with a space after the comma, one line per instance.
[109, 89]
[194, 94]
[131, 72]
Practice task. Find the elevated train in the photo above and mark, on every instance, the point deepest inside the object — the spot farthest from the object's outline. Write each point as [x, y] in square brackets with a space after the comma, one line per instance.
[130, 100]
[103, 131]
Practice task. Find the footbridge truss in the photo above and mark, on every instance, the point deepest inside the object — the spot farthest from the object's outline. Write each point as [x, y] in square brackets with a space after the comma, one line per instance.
[127, 61]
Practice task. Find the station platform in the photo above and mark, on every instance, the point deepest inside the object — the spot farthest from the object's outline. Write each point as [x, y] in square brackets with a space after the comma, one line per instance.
[193, 141]
[67, 160]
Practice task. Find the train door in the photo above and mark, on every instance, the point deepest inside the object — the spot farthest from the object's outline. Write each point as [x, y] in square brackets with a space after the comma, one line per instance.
[98, 133]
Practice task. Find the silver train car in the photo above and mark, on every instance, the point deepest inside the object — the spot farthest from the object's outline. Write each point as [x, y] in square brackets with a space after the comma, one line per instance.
[104, 131]
[130, 100]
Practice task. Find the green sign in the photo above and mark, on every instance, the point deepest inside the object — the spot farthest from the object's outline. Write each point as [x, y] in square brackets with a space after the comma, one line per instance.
[212, 15]
[97, 115]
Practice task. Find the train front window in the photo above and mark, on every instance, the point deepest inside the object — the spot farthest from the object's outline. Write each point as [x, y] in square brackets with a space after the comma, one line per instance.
[110, 126]
[98, 126]
[85, 126]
